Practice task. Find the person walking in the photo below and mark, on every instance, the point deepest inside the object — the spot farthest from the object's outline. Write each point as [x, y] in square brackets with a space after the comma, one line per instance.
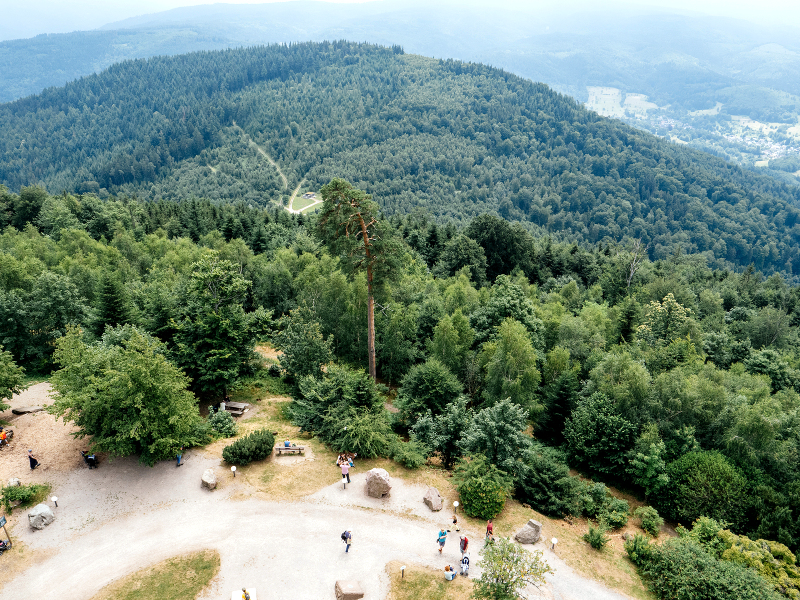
[442, 539]
[347, 538]
[32, 460]
[463, 544]
[179, 457]
[245, 595]
[455, 523]
[345, 473]
[489, 530]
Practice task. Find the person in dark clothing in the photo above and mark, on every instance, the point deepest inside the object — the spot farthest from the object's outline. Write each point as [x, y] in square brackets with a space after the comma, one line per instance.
[32, 459]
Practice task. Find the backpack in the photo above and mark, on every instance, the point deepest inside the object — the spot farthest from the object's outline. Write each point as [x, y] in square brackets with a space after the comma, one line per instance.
[344, 536]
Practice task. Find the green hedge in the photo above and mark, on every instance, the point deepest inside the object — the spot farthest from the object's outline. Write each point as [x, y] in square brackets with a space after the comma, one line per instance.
[255, 446]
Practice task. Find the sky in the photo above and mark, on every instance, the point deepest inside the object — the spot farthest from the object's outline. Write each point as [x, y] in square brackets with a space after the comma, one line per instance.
[23, 19]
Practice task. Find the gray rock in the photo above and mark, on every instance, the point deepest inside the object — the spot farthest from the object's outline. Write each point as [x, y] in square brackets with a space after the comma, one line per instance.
[209, 479]
[529, 534]
[14, 482]
[626, 536]
[348, 590]
[432, 499]
[378, 483]
[40, 516]
[26, 410]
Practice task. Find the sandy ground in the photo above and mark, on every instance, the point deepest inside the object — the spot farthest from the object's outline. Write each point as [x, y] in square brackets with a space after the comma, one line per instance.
[123, 517]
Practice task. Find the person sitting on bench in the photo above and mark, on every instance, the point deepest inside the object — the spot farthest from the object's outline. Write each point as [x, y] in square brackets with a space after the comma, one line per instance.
[287, 444]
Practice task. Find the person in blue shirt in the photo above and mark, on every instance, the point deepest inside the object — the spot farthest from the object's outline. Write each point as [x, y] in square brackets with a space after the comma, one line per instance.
[287, 443]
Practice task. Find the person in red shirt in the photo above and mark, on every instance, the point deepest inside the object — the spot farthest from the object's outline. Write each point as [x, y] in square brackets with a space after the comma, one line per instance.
[489, 530]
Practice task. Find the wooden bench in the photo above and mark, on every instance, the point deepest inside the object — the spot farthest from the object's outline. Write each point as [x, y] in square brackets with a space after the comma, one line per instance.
[237, 409]
[290, 449]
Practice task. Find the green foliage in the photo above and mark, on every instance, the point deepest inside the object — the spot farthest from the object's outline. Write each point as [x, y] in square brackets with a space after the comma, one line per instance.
[507, 301]
[704, 484]
[26, 495]
[596, 537]
[483, 488]
[429, 386]
[649, 520]
[304, 349]
[615, 513]
[127, 397]
[365, 432]
[223, 424]
[506, 569]
[113, 307]
[409, 454]
[680, 568]
[544, 482]
[664, 321]
[12, 378]
[497, 433]
[459, 253]
[647, 465]
[443, 433]
[254, 446]
[452, 340]
[598, 438]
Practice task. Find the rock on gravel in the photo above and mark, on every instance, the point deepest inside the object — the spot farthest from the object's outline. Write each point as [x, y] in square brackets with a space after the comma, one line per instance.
[378, 483]
[529, 534]
[349, 590]
[432, 499]
[25, 410]
[14, 482]
[209, 479]
[40, 516]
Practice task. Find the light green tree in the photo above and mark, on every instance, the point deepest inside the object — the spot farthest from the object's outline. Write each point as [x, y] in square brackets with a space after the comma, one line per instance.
[12, 378]
[304, 349]
[497, 434]
[124, 394]
[506, 569]
[452, 340]
[664, 321]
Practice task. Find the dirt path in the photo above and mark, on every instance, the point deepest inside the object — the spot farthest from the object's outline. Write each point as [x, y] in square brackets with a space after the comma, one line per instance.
[265, 155]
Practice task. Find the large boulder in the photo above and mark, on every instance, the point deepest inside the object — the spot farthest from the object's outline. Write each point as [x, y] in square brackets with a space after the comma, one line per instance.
[529, 534]
[209, 479]
[378, 483]
[14, 482]
[348, 590]
[40, 516]
[432, 499]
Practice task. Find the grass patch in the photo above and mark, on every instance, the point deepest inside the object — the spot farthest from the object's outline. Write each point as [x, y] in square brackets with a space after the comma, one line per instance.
[424, 582]
[29, 495]
[177, 578]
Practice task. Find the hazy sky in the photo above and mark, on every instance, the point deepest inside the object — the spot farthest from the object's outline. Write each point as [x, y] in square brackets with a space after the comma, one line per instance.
[22, 19]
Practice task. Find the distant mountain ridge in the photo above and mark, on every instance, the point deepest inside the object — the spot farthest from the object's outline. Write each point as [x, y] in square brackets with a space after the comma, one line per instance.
[453, 138]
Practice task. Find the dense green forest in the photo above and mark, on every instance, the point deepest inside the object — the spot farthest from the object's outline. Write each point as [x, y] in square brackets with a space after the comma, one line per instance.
[454, 139]
[666, 377]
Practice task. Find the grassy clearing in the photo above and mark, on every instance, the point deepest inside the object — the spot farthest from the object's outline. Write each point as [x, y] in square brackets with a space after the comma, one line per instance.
[177, 578]
[19, 559]
[424, 582]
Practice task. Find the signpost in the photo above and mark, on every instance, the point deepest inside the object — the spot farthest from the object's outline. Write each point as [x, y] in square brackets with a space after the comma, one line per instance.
[3, 525]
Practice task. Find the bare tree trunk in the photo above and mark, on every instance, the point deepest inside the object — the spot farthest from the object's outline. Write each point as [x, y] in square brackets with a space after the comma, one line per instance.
[371, 327]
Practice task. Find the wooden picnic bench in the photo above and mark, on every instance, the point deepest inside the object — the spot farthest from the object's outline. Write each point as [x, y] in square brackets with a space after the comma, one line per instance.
[290, 449]
[237, 409]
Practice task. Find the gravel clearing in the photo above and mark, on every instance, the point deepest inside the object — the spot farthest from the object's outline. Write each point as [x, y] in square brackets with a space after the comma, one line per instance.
[124, 516]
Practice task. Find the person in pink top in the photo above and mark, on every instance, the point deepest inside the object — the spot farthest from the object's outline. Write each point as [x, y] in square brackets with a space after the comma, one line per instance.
[345, 471]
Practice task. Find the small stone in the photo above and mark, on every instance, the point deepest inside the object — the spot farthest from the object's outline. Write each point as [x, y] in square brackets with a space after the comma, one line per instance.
[40, 516]
[530, 534]
[209, 479]
[14, 482]
[433, 499]
[348, 590]
[378, 483]
[626, 536]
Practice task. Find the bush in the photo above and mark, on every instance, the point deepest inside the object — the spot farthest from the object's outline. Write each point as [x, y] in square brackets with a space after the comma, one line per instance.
[348, 429]
[26, 495]
[596, 537]
[544, 482]
[223, 424]
[704, 484]
[429, 386]
[681, 569]
[649, 520]
[593, 499]
[255, 446]
[639, 549]
[615, 512]
[409, 454]
[483, 487]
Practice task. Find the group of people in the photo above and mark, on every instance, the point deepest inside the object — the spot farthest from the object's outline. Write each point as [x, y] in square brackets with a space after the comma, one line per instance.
[3, 437]
[345, 462]
[463, 546]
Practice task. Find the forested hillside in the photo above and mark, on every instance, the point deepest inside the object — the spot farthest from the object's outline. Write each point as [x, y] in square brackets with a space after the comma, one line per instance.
[451, 138]
[672, 380]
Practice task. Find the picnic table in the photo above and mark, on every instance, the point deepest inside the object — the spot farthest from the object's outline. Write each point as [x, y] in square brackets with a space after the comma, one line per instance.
[237, 409]
[290, 449]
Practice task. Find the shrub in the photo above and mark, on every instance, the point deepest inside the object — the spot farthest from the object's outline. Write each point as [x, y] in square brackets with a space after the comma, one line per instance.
[596, 537]
[639, 549]
[681, 569]
[26, 495]
[429, 386]
[348, 429]
[544, 482]
[615, 512]
[223, 424]
[483, 487]
[255, 446]
[409, 454]
[649, 520]
[593, 499]
[704, 484]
